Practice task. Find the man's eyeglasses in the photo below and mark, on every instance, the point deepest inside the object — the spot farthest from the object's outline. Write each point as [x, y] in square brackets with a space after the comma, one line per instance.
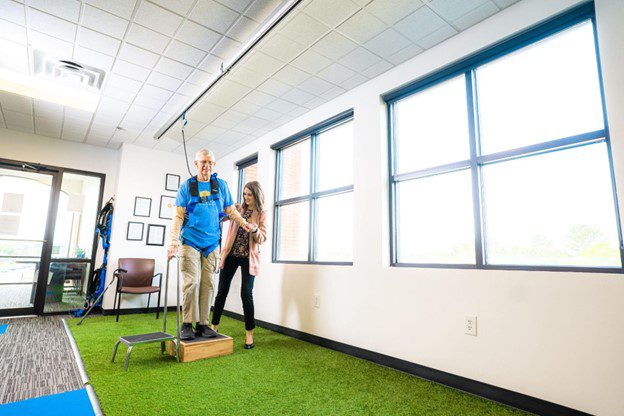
[206, 162]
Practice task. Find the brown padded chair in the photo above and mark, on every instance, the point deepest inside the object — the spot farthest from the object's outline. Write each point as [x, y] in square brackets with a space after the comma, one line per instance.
[136, 277]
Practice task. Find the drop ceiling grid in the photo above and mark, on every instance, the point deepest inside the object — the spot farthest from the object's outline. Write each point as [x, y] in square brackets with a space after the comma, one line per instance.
[42, 8]
[364, 62]
[367, 39]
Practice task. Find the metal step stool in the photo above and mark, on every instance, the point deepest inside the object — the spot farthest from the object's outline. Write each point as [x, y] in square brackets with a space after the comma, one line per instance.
[162, 337]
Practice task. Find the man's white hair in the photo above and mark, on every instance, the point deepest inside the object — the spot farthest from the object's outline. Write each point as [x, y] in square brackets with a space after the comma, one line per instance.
[201, 153]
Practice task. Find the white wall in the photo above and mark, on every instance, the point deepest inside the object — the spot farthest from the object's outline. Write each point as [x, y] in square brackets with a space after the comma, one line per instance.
[142, 173]
[552, 335]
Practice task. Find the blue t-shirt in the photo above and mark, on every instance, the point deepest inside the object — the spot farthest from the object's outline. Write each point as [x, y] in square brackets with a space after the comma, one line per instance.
[202, 228]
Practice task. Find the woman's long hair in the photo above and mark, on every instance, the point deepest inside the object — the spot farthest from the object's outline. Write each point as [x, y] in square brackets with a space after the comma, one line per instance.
[256, 190]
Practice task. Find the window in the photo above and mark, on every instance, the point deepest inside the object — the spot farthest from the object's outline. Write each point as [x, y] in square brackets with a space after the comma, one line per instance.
[247, 172]
[503, 161]
[314, 194]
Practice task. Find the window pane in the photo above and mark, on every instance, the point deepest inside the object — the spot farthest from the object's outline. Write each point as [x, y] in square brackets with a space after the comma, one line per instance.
[334, 223]
[335, 158]
[554, 209]
[432, 127]
[295, 171]
[434, 219]
[250, 173]
[294, 231]
[543, 92]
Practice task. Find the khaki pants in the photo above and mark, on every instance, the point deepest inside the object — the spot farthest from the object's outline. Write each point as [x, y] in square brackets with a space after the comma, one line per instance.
[197, 283]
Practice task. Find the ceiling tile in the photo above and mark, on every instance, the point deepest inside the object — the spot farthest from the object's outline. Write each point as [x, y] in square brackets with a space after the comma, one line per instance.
[260, 10]
[332, 93]
[189, 89]
[184, 53]
[243, 29]
[78, 115]
[213, 15]
[48, 110]
[334, 46]
[50, 127]
[95, 59]
[316, 86]
[175, 104]
[331, 12]
[51, 45]
[266, 114]
[12, 11]
[505, 3]
[290, 75]
[391, 11]
[311, 62]
[198, 36]
[226, 48]
[147, 38]
[227, 93]
[205, 112]
[238, 5]
[354, 81]
[304, 29]
[297, 96]
[51, 25]
[211, 64]
[138, 56]
[454, 9]
[436, 37]
[475, 16]
[259, 98]
[157, 18]
[19, 121]
[14, 56]
[131, 70]
[164, 81]
[263, 63]
[387, 43]
[282, 48]
[377, 69]
[104, 22]
[122, 88]
[13, 32]
[173, 68]
[16, 103]
[199, 77]
[359, 60]
[122, 8]
[244, 75]
[181, 7]
[405, 54]
[362, 27]
[274, 87]
[98, 42]
[419, 24]
[336, 73]
[315, 102]
[66, 9]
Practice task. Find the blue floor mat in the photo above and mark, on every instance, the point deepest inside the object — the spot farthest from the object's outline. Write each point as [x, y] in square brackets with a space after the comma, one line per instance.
[3, 328]
[71, 403]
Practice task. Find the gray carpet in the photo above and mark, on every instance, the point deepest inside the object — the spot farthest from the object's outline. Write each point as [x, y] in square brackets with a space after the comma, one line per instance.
[36, 359]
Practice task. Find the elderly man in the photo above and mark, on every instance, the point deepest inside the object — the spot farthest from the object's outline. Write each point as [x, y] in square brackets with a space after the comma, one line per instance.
[196, 233]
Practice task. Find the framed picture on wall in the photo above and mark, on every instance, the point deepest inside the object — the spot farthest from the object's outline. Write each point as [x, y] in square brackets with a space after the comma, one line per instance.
[155, 235]
[167, 205]
[135, 231]
[142, 206]
[172, 182]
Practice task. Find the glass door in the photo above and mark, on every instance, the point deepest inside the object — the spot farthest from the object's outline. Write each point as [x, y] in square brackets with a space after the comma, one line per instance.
[73, 245]
[25, 198]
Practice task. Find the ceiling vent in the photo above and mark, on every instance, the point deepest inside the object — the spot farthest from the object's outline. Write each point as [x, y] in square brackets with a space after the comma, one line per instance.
[67, 72]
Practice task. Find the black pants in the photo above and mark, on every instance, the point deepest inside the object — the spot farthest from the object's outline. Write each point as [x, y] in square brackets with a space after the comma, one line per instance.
[225, 279]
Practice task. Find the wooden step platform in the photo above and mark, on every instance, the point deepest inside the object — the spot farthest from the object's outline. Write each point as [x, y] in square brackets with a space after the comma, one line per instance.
[201, 348]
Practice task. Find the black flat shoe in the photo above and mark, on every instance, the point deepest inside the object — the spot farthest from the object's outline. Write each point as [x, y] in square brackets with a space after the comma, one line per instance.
[249, 346]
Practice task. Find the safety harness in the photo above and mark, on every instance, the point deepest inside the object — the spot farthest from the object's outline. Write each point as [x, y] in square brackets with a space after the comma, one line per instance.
[196, 199]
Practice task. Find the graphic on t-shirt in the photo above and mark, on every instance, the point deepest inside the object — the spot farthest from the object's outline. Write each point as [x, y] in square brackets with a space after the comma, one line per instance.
[203, 196]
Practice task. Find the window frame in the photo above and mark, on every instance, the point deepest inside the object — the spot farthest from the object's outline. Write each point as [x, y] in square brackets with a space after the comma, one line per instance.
[468, 67]
[313, 195]
[241, 165]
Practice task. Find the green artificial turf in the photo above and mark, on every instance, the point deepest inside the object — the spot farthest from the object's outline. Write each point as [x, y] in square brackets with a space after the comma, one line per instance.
[281, 376]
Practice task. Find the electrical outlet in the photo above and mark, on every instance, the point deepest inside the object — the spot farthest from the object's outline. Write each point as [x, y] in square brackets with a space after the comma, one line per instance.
[471, 325]
[317, 301]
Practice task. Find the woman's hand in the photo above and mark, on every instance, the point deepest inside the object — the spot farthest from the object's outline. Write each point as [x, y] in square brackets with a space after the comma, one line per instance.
[252, 227]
